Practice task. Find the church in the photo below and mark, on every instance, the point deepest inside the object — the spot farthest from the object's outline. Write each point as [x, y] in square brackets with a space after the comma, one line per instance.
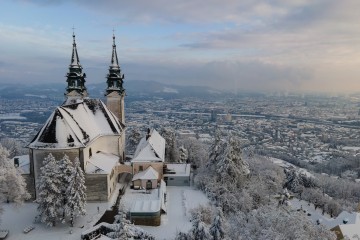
[87, 129]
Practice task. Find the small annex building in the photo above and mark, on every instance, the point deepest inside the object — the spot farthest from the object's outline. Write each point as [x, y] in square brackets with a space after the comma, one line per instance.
[177, 174]
[87, 129]
[150, 152]
[147, 179]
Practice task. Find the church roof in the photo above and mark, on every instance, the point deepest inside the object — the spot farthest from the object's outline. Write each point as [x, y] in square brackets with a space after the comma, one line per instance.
[150, 148]
[75, 125]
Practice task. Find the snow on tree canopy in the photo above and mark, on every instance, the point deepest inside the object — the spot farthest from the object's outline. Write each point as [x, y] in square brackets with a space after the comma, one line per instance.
[75, 125]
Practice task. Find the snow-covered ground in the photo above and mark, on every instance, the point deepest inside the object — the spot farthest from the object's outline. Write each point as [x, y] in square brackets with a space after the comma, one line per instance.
[325, 219]
[180, 200]
[17, 219]
[286, 164]
[309, 208]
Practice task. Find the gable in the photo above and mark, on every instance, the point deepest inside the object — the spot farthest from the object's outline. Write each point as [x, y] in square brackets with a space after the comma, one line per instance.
[151, 149]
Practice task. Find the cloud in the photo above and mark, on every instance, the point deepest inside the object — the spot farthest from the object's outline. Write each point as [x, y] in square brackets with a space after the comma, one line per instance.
[248, 44]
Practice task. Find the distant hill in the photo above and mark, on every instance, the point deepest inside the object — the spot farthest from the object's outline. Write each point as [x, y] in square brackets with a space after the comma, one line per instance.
[134, 89]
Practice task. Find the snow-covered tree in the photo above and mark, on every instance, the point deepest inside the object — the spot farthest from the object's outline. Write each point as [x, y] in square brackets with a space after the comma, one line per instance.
[218, 227]
[66, 170]
[295, 179]
[12, 184]
[75, 193]
[133, 139]
[199, 230]
[197, 152]
[124, 230]
[183, 154]
[13, 147]
[50, 196]
[230, 168]
[270, 222]
[171, 150]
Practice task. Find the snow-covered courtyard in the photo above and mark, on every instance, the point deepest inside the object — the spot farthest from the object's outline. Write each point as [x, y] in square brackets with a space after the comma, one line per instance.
[17, 219]
[180, 200]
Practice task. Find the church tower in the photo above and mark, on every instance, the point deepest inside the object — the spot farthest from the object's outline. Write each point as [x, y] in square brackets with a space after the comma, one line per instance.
[75, 78]
[115, 92]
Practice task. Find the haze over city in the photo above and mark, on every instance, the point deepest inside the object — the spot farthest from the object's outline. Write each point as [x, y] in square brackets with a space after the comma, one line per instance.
[277, 45]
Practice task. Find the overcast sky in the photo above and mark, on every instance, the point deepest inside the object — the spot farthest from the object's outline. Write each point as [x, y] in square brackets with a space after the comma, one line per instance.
[276, 45]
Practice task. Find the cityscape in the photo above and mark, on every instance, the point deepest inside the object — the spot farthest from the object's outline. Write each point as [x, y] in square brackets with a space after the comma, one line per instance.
[301, 129]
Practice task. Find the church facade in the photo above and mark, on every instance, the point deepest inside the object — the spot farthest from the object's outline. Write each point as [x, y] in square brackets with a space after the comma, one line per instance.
[87, 129]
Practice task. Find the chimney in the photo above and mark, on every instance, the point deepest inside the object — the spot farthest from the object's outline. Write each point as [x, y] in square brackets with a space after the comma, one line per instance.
[148, 134]
[16, 162]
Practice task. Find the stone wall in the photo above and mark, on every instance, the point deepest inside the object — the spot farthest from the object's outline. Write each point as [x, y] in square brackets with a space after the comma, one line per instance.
[96, 187]
[147, 221]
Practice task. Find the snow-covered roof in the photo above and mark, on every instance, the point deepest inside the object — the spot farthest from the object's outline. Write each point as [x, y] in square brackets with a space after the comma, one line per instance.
[150, 149]
[149, 174]
[351, 231]
[24, 163]
[76, 125]
[145, 206]
[151, 205]
[101, 163]
[182, 169]
[351, 218]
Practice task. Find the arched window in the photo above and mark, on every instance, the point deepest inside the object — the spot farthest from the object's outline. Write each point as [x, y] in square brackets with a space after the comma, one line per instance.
[90, 153]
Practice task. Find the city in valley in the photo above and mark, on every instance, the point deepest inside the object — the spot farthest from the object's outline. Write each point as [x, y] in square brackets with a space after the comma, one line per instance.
[308, 130]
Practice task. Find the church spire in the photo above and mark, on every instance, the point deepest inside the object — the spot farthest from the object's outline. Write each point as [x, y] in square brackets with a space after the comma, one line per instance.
[114, 58]
[115, 92]
[75, 61]
[75, 77]
[114, 77]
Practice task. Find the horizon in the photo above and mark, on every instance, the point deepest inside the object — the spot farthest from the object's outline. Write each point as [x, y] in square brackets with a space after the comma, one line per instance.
[302, 46]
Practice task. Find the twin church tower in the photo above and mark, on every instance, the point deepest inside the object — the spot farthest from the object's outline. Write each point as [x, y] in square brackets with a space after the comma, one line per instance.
[87, 129]
[115, 92]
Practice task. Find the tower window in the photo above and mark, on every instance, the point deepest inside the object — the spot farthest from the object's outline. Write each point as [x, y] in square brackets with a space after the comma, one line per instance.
[90, 153]
[141, 168]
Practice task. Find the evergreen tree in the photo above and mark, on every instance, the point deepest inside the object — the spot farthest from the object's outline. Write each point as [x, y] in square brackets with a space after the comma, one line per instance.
[75, 193]
[199, 230]
[171, 151]
[230, 167]
[217, 229]
[183, 154]
[123, 229]
[66, 170]
[50, 196]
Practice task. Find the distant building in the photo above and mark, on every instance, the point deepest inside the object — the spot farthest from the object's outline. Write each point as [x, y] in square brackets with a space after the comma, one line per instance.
[87, 129]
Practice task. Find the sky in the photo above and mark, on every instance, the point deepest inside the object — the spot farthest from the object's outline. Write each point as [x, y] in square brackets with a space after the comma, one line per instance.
[237, 45]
